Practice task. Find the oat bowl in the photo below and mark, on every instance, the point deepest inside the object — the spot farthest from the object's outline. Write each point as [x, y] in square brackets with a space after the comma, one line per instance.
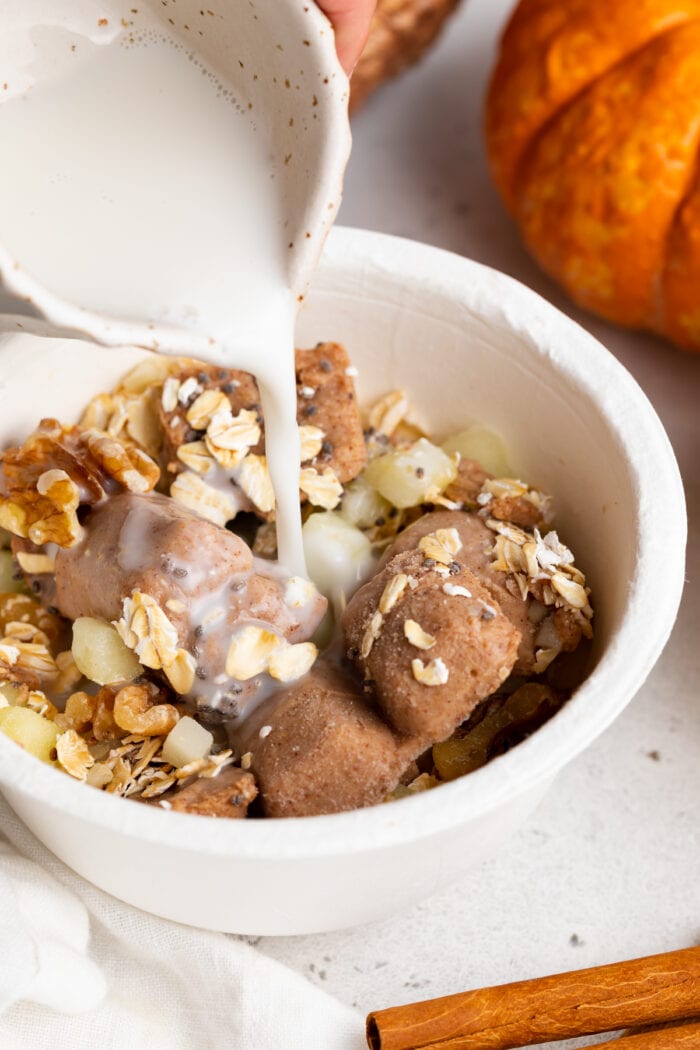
[452, 702]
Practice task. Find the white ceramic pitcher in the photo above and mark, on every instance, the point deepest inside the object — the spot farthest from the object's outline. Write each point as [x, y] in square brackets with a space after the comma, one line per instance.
[278, 58]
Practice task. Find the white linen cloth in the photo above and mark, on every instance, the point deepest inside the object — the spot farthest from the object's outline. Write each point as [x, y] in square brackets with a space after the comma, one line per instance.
[79, 969]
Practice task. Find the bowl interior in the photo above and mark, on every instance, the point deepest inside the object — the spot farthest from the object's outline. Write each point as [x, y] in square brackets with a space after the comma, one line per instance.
[468, 345]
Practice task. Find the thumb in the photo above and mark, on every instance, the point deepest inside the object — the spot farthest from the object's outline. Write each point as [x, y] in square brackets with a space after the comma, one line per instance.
[351, 20]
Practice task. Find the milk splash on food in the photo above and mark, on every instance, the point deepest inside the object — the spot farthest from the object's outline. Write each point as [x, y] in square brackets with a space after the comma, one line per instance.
[135, 184]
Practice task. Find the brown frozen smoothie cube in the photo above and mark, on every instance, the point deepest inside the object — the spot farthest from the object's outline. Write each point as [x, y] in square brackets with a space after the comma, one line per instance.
[203, 578]
[319, 747]
[538, 628]
[325, 399]
[518, 509]
[476, 554]
[146, 543]
[239, 387]
[431, 640]
[467, 485]
[227, 795]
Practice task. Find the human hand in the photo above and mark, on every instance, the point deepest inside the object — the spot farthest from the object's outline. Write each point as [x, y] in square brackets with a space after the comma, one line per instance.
[351, 19]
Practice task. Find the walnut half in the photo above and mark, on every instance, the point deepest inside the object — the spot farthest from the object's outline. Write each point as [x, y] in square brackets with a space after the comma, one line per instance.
[44, 481]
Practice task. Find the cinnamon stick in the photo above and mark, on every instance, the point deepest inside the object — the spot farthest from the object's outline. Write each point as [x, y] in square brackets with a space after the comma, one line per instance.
[679, 1037]
[624, 995]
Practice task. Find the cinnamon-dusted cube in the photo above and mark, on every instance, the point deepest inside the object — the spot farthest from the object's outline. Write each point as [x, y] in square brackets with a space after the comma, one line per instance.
[431, 640]
[226, 795]
[320, 747]
[180, 591]
[326, 402]
[466, 487]
[476, 554]
[326, 398]
[505, 499]
[542, 629]
[182, 390]
[149, 544]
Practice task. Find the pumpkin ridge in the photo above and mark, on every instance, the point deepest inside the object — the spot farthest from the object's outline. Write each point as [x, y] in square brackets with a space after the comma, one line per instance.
[534, 140]
[667, 321]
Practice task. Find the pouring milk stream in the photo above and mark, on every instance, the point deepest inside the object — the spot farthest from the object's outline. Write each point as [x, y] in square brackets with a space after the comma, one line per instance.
[150, 196]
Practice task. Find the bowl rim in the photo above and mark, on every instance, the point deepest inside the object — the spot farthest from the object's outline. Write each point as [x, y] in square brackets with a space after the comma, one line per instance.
[651, 610]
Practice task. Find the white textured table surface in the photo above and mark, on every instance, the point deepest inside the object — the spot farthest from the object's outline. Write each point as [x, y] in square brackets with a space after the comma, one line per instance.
[608, 866]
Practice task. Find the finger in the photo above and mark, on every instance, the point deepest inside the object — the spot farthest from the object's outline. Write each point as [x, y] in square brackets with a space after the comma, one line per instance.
[351, 20]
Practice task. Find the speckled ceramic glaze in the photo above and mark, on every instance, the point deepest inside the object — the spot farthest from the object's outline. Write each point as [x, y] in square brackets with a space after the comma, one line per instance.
[467, 344]
[279, 58]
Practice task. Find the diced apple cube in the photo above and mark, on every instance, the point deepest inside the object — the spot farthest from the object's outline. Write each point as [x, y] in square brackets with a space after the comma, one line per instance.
[101, 655]
[187, 742]
[413, 475]
[362, 505]
[30, 730]
[338, 556]
[483, 445]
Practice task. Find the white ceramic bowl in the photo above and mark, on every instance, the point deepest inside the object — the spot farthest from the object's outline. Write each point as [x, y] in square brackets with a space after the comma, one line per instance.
[467, 344]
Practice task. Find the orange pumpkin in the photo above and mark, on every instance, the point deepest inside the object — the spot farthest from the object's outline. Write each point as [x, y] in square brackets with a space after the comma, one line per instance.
[593, 133]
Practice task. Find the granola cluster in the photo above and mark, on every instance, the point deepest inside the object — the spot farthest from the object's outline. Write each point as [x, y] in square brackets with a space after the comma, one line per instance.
[145, 629]
[45, 481]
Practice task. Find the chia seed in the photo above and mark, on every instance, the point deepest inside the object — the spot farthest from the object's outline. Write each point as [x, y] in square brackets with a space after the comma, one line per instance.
[201, 674]
[198, 631]
[180, 573]
[325, 365]
[455, 567]
[310, 410]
